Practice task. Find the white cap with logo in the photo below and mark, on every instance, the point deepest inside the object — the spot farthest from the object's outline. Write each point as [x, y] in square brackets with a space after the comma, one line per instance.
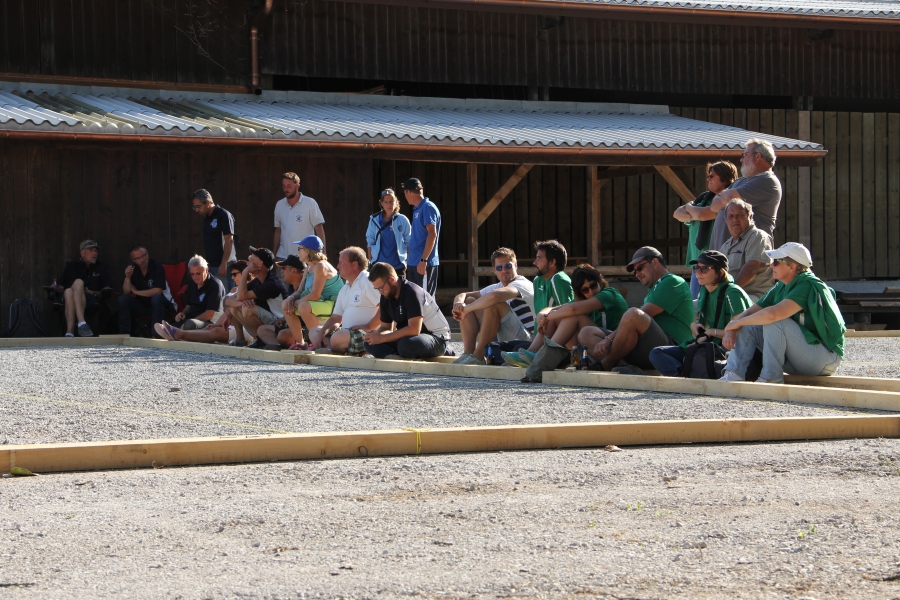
[793, 250]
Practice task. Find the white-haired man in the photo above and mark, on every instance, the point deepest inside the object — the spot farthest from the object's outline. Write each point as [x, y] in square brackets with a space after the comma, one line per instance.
[202, 300]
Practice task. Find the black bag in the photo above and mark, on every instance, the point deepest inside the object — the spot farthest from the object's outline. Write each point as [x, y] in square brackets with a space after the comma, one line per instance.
[493, 350]
[703, 360]
[25, 320]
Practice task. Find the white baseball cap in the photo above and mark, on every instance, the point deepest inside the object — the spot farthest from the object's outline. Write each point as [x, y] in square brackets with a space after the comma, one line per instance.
[793, 250]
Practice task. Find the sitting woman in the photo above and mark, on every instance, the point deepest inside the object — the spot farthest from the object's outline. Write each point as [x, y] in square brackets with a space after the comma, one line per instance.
[719, 301]
[318, 291]
[796, 325]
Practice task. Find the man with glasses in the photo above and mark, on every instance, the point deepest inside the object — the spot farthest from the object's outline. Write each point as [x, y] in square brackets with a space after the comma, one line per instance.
[296, 217]
[412, 325]
[202, 300]
[144, 291]
[664, 319]
[502, 311]
[218, 235]
[746, 249]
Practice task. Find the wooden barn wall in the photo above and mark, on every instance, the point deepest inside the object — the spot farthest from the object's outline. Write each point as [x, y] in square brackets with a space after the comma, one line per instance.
[51, 198]
[185, 41]
[320, 38]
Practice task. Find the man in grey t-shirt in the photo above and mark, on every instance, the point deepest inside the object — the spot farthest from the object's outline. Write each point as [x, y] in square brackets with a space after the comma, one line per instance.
[758, 186]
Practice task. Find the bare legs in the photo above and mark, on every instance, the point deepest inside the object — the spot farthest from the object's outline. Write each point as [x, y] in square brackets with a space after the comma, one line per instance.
[75, 302]
[479, 328]
[634, 323]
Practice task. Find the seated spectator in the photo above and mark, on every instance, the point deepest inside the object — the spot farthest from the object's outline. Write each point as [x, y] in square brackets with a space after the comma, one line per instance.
[319, 290]
[260, 298]
[356, 310]
[277, 335]
[502, 311]
[411, 325]
[664, 319]
[596, 305]
[719, 176]
[83, 283]
[720, 300]
[746, 250]
[797, 325]
[202, 300]
[387, 234]
[144, 291]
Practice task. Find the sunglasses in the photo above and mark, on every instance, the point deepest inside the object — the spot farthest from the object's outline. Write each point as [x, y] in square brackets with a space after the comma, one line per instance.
[702, 268]
[640, 267]
[235, 273]
[507, 266]
[586, 291]
[387, 191]
[778, 261]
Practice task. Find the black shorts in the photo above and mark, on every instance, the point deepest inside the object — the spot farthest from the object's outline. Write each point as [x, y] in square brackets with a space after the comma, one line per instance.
[647, 341]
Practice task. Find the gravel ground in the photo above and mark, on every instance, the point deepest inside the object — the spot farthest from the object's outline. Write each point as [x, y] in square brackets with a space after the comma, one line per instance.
[786, 520]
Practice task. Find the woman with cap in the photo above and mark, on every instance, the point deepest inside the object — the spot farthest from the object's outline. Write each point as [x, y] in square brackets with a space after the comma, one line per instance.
[796, 325]
[719, 301]
[318, 290]
[388, 234]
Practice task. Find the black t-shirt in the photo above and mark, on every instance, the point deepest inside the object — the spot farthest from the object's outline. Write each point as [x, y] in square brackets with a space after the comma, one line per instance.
[199, 300]
[155, 278]
[95, 276]
[219, 223]
[272, 287]
[412, 302]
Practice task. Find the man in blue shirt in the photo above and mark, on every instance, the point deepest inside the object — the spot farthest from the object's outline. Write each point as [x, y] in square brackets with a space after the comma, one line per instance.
[422, 259]
[218, 236]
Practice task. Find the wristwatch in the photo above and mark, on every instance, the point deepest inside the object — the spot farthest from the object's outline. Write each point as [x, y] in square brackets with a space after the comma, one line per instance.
[424, 260]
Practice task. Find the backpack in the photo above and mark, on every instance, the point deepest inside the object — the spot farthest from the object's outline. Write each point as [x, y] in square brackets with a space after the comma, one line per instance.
[25, 320]
[703, 360]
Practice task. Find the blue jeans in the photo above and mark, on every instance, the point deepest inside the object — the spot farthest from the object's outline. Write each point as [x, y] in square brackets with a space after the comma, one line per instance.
[784, 349]
[129, 305]
[695, 285]
[668, 360]
[423, 345]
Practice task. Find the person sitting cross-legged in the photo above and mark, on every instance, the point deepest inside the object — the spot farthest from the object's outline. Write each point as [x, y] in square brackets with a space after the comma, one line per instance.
[502, 311]
[412, 325]
[797, 325]
[664, 319]
[260, 298]
[719, 301]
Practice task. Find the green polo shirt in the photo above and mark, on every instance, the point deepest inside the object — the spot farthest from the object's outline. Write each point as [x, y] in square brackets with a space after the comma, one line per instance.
[614, 306]
[558, 288]
[673, 294]
[735, 301]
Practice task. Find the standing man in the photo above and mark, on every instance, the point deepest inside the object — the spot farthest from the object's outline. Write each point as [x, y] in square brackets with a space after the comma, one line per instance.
[202, 300]
[422, 258]
[146, 279]
[260, 298]
[218, 235]
[81, 284]
[296, 217]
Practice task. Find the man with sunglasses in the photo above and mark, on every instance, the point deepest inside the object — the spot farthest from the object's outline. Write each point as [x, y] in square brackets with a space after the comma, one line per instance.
[664, 319]
[218, 235]
[502, 311]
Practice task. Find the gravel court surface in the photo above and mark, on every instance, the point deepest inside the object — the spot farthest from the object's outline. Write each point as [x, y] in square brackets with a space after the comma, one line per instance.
[115, 392]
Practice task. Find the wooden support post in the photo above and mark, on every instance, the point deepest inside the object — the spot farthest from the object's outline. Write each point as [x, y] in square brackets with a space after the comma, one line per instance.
[594, 224]
[472, 187]
[684, 192]
[804, 194]
[502, 193]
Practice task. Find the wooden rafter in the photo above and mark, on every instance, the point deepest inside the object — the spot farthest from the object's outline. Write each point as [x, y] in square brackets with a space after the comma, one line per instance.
[501, 194]
[676, 183]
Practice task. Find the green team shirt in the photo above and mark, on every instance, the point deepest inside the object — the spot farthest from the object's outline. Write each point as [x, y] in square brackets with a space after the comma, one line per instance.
[735, 302]
[798, 290]
[673, 294]
[558, 287]
[614, 306]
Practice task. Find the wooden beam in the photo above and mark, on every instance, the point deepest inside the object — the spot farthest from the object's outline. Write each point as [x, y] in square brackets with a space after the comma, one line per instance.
[605, 269]
[143, 454]
[472, 189]
[804, 186]
[502, 193]
[594, 214]
[684, 192]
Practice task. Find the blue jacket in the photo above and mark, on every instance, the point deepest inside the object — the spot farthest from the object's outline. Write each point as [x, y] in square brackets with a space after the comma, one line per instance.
[401, 229]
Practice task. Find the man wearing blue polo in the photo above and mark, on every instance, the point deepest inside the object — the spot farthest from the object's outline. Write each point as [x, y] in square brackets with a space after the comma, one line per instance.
[422, 258]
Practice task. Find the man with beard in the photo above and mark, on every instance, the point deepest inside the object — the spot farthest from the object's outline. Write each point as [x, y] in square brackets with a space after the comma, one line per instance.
[296, 217]
[82, 283]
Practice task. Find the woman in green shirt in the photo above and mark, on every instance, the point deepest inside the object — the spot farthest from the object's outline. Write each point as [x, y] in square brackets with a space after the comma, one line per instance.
[797, 324]
[720, 300]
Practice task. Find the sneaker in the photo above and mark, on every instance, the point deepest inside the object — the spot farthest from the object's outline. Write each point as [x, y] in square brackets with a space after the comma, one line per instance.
[730, 376]
[513, 358]
[628, 370]
[764, 380]
[462, 359]
[70, 335]
[393, 357]
[85, 331]
[276, 347]
[527, 356]
[257, 344]
[469, 359]
[238, 343]
[168, 331]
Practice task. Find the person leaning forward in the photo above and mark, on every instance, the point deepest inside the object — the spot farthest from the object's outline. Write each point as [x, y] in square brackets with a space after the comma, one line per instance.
[144, 291]
[664, 319]
[260, 298]
[83, 283]
[411, 325]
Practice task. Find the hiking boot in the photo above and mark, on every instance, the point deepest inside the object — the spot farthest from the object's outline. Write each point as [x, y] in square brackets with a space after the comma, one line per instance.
[85, 331]
[730, 376]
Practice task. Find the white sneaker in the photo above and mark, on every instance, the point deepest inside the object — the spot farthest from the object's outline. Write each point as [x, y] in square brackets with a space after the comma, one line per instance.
[764, 380]
[729, 376]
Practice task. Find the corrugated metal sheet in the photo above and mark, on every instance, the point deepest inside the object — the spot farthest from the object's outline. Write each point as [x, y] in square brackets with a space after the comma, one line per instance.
[838, 8]
[355, 118]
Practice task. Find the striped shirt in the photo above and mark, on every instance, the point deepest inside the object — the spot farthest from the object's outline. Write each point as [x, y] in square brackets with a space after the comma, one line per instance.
[523, 305]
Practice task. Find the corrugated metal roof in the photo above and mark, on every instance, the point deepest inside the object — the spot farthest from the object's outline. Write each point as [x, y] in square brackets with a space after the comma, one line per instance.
[867, 9]
[374, 119]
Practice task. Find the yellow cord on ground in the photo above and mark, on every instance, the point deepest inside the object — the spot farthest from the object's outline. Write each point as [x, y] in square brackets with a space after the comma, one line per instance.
[418, 433]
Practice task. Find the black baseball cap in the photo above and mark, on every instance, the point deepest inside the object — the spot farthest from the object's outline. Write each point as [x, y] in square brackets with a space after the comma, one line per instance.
[646, 253]
[412, 184]
[265, 255]
[713, 258]
[292, 261]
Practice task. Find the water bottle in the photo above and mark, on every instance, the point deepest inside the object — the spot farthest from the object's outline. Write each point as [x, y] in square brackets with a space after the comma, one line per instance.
[489, 355]
[584, 359]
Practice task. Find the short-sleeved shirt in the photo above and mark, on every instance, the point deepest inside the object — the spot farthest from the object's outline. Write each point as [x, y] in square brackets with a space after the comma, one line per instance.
[269, 293]
[734, 303]
[558, 288]
[699, 228]
[522, 306]
[357, 302]
[198, 300]
[673, 294]
[614, 306]
[426, 213]
[155, 278]
[94, 275]
[751, 245]
[215, 227]
[763, 193]
[413, 302]
[296, 222]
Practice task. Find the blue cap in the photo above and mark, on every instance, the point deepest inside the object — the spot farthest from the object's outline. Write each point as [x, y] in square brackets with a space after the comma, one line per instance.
[311, 242]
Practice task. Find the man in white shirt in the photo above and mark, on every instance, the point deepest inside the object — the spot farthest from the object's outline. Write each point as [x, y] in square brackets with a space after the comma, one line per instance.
[502, 311]
[296, 217]
[356, 310]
